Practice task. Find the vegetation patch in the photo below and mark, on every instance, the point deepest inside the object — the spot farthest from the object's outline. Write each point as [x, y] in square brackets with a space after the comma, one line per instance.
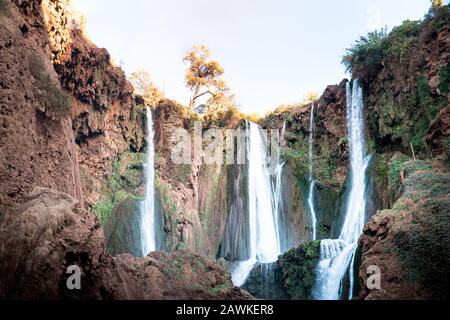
[394, 168]
[424, 249]
[126, 178]
[444, 79]
[53, 98]
[367, 53]
[299, 270]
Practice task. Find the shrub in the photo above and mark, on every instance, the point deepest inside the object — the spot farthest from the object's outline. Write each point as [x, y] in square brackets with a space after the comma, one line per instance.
[402, 38]
[444, 79]
[438, 17]
[394, 173]
[55, 100]
[367, 52]
[125, 178]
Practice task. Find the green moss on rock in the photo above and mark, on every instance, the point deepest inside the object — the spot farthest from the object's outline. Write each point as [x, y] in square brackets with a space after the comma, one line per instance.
[298, 269]
[123, 231]
[126, 180]
[292, 277]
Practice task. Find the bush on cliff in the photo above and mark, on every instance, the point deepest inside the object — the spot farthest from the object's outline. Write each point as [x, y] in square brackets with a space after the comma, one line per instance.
[367, 53]
[423, 243]
[298, 267]
[124, 182]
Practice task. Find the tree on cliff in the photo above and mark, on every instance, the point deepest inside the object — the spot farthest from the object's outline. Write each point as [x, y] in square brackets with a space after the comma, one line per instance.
[436, 3]
[204, 77]
[310, 96]
[144, 86]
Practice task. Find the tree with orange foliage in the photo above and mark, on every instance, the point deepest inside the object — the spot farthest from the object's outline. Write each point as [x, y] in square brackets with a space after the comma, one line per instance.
[204, 76]
[144, 86]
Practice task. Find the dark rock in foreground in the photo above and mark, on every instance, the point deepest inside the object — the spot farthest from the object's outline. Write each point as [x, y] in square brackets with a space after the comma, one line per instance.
[292, 277]
[51, 232]
[410, 243]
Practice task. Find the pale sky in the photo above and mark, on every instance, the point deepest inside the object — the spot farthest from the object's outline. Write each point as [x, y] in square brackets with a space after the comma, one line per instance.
[273, 51]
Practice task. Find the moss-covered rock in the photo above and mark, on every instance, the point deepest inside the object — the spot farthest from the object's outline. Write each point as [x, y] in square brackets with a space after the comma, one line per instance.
[265, 281]
[123, 229]
[126, 180]
[409, 85]
[292, 277]
[411, 243]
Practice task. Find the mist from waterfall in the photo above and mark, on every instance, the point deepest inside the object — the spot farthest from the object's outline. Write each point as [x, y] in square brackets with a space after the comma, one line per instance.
[263, 200]
[148, 221]
[312, 182]
[338, 255]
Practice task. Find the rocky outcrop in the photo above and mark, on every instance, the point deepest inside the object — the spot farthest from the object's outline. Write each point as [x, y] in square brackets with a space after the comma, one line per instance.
[46, 235]
[36, 137]
[438, 137]
[410, 86]
[123, 229]
[330, 133]
[194, 198]
[292, 277]
[183, 275]
[52, 231]
[107, 119]
[410, 242]
[101, 114]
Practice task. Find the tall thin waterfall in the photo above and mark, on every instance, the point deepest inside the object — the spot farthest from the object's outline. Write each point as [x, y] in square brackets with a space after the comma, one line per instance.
[264, 238]
[312, 182]
[148, 230]
[337, 256]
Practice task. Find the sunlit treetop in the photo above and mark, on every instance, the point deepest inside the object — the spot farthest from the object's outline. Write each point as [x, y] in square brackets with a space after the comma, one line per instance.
[204, 76]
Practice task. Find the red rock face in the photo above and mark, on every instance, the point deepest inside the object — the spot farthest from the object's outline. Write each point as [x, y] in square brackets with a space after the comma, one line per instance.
[52, 232]
[106, 118]
[409, 243]
[376, 242]
[439, 134]
[37, 148]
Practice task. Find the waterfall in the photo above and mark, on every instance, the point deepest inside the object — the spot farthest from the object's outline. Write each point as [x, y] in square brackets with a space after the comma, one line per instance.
[337, 256]
[263, 225]
[312, 182]
[276, 182]
[148, 221]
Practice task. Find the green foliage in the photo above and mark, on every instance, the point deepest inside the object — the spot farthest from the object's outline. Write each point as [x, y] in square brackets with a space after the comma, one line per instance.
[126, 176]
[49, 92]
[367, 54]
[438, 17]
[430, 107]
[444, 79]
[411, 167]
[299, 270]
[424, 248]
[424, 91]
[394, 173]
[382, 167]
[368, 51]
[402, 38]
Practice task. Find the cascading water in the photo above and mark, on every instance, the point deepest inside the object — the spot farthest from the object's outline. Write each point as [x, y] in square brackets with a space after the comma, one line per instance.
[312, 182]
[264, 237]
[277, 171]
[148, 221]
[337, 256]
